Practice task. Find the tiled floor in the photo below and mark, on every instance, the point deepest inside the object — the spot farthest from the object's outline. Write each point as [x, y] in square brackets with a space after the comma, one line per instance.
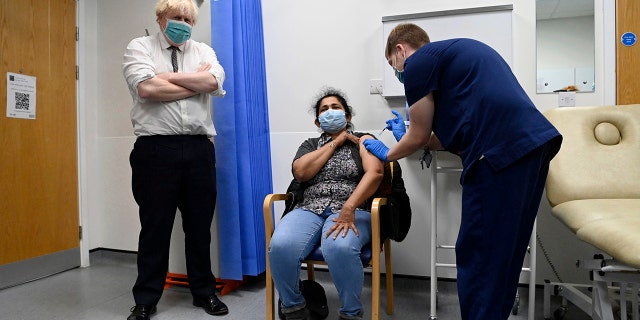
[103, 292]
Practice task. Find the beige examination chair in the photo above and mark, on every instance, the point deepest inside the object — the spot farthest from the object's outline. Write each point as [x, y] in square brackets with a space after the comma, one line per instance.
[594, 189]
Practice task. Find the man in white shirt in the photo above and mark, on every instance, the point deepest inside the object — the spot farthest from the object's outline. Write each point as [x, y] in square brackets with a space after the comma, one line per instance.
[171, 79]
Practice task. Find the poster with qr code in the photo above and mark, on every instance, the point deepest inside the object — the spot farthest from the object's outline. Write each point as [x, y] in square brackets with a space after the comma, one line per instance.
[21, 96]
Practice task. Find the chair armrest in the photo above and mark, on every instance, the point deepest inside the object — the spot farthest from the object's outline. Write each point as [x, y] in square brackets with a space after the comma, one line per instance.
[267, 209]
[375, 223]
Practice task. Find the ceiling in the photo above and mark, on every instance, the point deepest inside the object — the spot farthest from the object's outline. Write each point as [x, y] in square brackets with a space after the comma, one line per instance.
[556, 9]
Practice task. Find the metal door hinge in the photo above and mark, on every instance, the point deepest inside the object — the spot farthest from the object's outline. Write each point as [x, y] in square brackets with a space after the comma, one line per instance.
[80, 232]
[77, 72]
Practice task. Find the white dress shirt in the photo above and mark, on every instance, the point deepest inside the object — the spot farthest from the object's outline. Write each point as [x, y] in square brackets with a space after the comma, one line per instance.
[147, 56]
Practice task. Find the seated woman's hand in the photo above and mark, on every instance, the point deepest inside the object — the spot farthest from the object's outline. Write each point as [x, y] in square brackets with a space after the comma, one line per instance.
[344, 137]
[344, 222]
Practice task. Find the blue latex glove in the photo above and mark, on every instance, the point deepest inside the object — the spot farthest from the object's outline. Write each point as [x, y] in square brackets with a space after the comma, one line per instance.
[396, 125]
[377, 148]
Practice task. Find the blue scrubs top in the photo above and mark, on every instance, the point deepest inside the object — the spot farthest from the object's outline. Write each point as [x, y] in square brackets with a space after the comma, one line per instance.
[480, 108]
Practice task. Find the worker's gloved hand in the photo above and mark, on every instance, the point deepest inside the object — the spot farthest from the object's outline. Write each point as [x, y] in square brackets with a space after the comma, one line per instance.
[396, 125]
[377, 148]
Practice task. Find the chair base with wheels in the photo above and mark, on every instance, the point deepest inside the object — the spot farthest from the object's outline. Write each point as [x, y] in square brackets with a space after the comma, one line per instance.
[370, 255]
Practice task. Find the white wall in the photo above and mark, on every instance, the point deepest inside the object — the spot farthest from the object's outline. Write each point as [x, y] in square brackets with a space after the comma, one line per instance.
[307, 45]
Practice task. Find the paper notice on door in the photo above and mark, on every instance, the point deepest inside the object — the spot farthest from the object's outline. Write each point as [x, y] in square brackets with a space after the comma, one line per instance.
[21, 96]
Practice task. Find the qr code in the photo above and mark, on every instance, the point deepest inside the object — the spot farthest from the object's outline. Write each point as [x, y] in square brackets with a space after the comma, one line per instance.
[22, 101]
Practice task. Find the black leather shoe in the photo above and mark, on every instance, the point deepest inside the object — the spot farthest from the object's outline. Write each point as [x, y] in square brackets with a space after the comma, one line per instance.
[302, 314]
[141, 312]
[211, 305]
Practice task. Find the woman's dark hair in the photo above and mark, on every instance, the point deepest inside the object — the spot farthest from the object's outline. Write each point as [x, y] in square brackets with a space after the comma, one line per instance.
[338, 94]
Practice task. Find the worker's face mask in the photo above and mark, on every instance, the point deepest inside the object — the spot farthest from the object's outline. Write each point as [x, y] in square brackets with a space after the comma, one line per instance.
[399, 74]
[332, 121]
[177, 31]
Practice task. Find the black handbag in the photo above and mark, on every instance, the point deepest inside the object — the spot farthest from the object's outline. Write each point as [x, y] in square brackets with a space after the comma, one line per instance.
[316, 299]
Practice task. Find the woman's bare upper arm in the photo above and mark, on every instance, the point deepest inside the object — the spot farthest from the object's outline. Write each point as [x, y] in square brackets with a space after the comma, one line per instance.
[369, 161]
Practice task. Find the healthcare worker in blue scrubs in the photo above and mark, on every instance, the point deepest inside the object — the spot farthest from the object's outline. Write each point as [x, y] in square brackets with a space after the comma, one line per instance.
[464, 98]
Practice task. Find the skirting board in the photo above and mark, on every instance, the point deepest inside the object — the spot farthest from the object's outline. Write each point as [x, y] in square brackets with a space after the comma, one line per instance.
[16, 273]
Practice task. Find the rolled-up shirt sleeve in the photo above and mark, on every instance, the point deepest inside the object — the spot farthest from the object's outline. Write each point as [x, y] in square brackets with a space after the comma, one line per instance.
[137, 66]
[209, 56]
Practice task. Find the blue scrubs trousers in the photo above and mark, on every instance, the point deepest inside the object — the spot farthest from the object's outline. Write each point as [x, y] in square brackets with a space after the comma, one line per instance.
[498, 213]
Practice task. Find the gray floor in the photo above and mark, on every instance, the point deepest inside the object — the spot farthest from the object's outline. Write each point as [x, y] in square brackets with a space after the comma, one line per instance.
[103, 292]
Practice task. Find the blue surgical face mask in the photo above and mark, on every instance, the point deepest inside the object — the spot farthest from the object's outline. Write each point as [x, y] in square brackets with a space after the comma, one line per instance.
[177, 31]
[332, 120]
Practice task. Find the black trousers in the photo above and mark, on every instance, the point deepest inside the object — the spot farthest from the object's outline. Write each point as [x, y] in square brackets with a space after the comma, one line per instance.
[169, 173]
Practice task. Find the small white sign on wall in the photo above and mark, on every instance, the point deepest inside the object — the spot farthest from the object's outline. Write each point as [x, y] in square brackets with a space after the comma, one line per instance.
[21, 96]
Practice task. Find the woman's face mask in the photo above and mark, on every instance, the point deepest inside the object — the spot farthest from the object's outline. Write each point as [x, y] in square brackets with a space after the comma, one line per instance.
[177, 31]
[332, 120]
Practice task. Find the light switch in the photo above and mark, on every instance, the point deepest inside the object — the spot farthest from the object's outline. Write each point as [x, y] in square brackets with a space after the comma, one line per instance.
[375, 86]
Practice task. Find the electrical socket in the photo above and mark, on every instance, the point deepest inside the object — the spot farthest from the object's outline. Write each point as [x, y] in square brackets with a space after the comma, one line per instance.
[375, 86]
[566, 99]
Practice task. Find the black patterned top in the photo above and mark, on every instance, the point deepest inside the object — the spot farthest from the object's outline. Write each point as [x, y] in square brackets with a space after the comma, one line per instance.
[336, 181]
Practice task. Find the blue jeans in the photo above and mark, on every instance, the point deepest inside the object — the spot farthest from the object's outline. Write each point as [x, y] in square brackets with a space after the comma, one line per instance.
[297, 234]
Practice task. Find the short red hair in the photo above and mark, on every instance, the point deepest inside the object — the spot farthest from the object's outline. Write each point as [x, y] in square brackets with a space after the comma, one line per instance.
[408, 34]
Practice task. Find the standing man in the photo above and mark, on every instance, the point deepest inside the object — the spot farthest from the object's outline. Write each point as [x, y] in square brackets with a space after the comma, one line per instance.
[171, 79]
[465, 99]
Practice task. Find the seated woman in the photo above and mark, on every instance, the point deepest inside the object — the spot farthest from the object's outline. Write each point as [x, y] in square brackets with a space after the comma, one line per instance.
[341, 175]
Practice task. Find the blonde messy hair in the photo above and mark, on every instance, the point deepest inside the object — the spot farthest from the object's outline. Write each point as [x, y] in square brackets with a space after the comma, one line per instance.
[406, 33]
[186, 7]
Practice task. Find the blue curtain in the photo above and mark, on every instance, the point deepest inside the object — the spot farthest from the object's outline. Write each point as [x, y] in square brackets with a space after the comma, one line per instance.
[243, 153]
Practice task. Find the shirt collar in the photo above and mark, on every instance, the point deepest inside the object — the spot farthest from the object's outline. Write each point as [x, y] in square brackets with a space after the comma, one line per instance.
[165, 44]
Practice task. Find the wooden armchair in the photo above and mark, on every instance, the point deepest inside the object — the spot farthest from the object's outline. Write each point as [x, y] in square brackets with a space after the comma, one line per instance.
[370, 255]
